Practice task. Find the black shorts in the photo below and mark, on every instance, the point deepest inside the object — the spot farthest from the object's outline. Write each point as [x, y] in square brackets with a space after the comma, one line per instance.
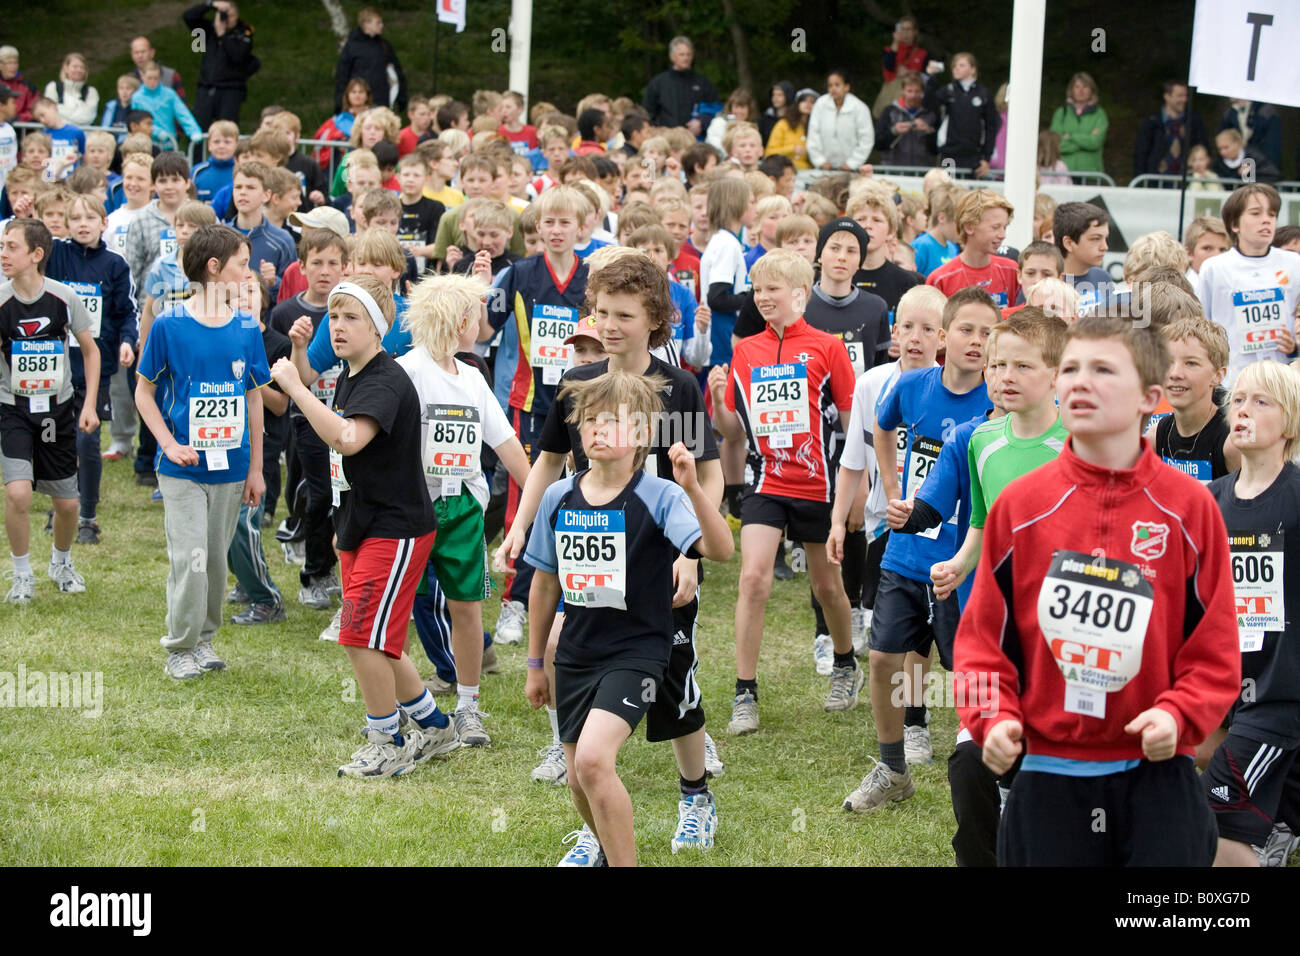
[39, 447]
[1152, 815]
[907, 617]
[1245, 782]
[103, 404]
[625, 688]
[678, 707]
[807, 521]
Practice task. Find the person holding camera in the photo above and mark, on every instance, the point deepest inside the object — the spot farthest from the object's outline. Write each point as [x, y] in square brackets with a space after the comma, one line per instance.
[228, 61]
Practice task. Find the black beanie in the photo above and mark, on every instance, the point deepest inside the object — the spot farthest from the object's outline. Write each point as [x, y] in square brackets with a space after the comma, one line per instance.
[843, 224]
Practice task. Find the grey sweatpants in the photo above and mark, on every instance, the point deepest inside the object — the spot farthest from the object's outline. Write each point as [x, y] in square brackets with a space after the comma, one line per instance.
[199, 521]
[121, 393]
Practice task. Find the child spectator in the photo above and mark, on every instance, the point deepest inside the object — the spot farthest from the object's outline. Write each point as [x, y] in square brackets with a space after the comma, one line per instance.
[965, 106]
[116, 109]
[166, 108]
[905, 129]
[789, 137]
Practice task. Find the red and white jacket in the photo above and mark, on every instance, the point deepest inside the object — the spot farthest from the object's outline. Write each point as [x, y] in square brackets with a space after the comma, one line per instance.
[1151, 516]
[801, 470]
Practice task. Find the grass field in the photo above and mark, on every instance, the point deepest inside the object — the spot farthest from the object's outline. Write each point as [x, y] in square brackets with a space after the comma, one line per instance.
[239, 767]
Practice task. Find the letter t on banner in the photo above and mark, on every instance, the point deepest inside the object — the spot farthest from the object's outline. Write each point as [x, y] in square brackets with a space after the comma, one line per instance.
[453, 12]
[1247, 50]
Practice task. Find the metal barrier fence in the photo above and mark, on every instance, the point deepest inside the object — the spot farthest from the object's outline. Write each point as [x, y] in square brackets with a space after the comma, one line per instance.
[1083, 178]
[1172, 181]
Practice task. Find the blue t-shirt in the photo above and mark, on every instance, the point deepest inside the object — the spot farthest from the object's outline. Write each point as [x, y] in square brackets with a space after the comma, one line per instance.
[947, 489]
[919, 400]
[166, 282]
[1095, 288]
[203, 375]
[930, 254]
[396, 341]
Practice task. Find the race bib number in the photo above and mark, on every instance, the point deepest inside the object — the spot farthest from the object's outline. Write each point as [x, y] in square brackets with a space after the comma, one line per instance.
[167, 243]
[1198, 468]
[91, 295]
[216, 426]
[1094, 614]
[338, 481]
[924, 453]
[552, 324]
[116, 240]
[453, 442]
[36, 370]
[778, 400]
[326, 382]
[1258, 561]
[857, 357]
[902, 455]
[59, 154]
[592, 550]
[1261, 316]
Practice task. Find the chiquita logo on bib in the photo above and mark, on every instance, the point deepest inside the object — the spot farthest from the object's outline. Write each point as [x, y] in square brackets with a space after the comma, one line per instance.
[1149, 539]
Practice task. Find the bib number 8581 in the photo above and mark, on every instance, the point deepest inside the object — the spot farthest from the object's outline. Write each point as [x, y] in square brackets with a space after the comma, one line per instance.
[24, 364]
[587, 547]
[1102, 610]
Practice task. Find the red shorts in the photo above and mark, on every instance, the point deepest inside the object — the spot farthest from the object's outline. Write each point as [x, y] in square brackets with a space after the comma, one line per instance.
[379, 582]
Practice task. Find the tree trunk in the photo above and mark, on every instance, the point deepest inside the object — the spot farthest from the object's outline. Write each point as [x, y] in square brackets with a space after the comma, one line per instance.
[744, 76]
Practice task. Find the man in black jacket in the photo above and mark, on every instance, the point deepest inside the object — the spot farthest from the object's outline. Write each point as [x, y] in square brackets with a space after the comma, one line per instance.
[228, 61]
[1162, 142]
[670, 98]
[367, 55]
[969, 120]
[905, 130]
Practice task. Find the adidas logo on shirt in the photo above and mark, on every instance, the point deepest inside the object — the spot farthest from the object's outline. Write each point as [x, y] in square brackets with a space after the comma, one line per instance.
[1220, 793]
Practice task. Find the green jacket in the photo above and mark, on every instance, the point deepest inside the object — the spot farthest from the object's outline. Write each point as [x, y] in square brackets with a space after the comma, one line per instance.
[1083, 136]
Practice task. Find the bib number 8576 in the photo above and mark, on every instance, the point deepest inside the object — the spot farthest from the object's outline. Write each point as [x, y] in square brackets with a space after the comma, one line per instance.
[452, 433]
[1100, 609]
[587, 547]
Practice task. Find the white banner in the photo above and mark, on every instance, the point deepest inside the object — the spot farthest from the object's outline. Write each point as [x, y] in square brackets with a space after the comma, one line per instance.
[1247, 49]
[453, 12]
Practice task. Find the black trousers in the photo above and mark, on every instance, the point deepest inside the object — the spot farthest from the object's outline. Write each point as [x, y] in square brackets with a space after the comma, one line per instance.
[314, 459]
[212, 103]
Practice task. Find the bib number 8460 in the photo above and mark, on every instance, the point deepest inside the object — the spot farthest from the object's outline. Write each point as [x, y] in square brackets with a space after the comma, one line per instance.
[1096, 609]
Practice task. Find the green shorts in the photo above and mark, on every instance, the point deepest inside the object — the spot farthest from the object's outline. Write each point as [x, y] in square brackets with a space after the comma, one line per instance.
[459, 555]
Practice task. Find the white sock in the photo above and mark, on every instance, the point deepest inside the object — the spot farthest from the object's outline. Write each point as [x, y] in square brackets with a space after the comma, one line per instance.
[554, 715]
[60, 557]
[467, 697]
[22, 563]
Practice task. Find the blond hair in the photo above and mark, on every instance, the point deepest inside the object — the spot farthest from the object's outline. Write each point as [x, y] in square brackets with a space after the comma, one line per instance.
[560, 199]
[380, 116]
[923, 298]
[625, 394]
[666, 189]
[770, 204]
[760, 184]
[101, 137]
[195, 213]
[735, 130]
[438, 310]
[382, 295]
[1200, 226]
[378, 247]
[1155, 250]
[494, 214]
[1055, 297]
[1282, 383]
[972, 207]
[873, 198]
[1211, 335]
[786, 265]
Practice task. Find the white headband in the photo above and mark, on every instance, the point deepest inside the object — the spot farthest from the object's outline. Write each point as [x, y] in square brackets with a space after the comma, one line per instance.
[366, 299]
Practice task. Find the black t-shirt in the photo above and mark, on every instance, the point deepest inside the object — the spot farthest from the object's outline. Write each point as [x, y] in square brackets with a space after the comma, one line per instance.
[466, 262]
[277, 347]
[749, 321]
[285, 314]
[860, 320]
[684, 419]
[1199, 455]
[419, 222]
[1268, 709]
[388, 497]
[889, 282]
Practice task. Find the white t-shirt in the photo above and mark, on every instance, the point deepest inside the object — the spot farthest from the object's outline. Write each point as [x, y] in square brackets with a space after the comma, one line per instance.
[466, 390]
[724, 261]
[8, 151]
[119, 220]
[1251, 297]
[859, 451]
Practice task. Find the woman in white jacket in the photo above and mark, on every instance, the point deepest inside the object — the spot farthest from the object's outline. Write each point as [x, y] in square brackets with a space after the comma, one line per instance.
[77, 102]
[840, 130]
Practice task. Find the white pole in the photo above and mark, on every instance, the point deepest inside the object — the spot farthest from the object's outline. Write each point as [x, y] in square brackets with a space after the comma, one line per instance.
[1022, 115]
[521, 40]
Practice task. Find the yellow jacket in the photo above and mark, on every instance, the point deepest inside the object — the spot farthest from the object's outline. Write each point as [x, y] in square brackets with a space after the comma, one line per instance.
[786, 142]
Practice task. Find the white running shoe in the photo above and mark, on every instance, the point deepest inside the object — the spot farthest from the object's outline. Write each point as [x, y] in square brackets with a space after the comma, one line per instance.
[314, 596]
[552, 769]
[697, 822]
[878, 788]
[330, 583]
[381, 757]
[66, 577]
[206, 657]
[916, 745]
[845, 684]
[1281, 843]
[713, 766]
[586, 851]
[331, 632]
[824, 654]
[23, 589]
[181, 665]
[861, 627]
[432, 741]
[744, 715]
[469, 725]
[510, 625]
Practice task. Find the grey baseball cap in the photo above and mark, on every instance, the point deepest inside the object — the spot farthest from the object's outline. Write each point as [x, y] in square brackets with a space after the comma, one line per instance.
[323, 217]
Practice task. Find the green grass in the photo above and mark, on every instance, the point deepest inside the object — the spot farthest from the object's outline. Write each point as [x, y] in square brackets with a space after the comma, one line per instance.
[239, 767]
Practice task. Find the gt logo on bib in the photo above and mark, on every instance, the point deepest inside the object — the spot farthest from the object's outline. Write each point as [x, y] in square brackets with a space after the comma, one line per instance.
[216, 422]
[778, 396]
[36, 369]
[552, 324]
[1094, 613]
[592, 550]
[452, 445]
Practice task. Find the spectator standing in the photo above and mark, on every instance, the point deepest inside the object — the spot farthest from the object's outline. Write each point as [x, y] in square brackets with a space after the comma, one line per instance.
[841, 133]
[1234, 154]
[740, 108]
[789, 136]
[142, 52]
[782, 97]
[1162, 139]
[227, 62]
[166, 107]
[905, 130]
[904, 54]
[1082, 124]
[671, 97]
[78, 102]
[367, 55]
[1259, 126]
[969, 119]
[12, 77]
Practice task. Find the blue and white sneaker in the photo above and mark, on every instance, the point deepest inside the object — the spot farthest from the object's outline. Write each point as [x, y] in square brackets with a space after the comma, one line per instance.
[585, 852]
[697, 822]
